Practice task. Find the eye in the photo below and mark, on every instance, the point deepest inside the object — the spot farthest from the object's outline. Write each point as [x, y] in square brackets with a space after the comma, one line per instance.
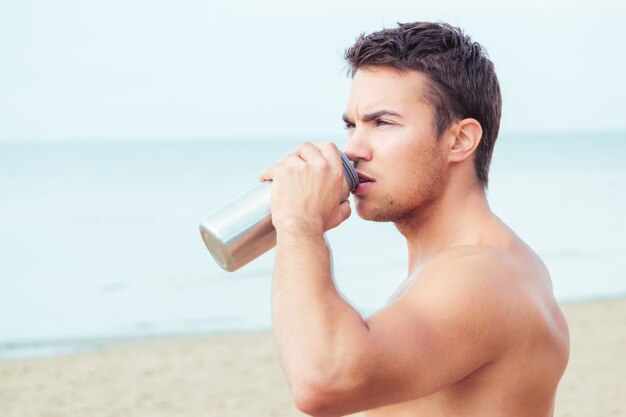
[380, 122]
[349, 126]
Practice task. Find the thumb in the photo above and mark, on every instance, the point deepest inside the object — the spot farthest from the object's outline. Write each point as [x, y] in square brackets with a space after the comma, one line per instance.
[344, 211]
[339, 216]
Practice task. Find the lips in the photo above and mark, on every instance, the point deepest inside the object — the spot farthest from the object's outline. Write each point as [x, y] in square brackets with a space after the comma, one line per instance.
[364, 183]
[364, 178]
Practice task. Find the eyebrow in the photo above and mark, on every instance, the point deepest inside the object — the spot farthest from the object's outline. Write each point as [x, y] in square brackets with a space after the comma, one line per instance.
[373, 116]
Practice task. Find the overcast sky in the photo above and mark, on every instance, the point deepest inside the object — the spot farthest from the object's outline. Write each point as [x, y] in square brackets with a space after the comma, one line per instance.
[190, 69]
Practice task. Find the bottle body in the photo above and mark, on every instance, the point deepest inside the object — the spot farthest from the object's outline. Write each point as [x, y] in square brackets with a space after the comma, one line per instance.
[242, 230]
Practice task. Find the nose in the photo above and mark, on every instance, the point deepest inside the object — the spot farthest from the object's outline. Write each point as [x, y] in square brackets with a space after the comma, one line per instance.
[357, 149]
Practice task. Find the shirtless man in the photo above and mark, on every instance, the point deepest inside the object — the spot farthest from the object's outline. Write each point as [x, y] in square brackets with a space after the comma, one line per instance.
[474, 331]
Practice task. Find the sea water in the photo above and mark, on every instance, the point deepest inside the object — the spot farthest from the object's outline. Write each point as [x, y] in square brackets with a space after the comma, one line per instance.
[100, 241]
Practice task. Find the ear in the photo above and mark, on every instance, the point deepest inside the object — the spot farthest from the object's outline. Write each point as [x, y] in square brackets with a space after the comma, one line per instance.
[468, 133]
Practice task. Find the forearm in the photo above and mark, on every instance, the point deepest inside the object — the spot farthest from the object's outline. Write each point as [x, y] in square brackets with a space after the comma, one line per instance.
[315, 328]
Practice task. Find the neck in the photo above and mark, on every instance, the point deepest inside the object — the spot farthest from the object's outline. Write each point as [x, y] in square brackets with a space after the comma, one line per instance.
[455, 218]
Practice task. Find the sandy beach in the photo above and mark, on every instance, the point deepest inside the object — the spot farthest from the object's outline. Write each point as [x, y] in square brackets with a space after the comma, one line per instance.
[239, 375]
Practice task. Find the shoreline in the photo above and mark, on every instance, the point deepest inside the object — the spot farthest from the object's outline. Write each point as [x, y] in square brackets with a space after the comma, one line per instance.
[237, 374]
[45, 349]
[53, 348]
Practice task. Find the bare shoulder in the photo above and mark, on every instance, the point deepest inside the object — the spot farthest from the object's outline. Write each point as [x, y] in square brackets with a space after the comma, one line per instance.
[475, 319]
[505, 294]
[486, 273]
[496, 274]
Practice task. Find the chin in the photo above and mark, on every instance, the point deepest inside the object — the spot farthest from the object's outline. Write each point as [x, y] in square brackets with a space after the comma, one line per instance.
[375, 214]
[363, 211]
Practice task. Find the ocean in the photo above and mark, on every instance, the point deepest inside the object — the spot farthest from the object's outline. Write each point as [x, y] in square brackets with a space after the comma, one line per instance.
[99, 241]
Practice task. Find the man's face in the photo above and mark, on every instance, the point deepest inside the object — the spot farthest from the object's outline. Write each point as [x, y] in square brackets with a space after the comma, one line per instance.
[393, 144]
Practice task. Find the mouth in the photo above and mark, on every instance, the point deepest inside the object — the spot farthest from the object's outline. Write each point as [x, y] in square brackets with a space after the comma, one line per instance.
[364, 178]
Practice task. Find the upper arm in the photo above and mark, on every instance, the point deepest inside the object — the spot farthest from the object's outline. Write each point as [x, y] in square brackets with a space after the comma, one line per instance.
[452, 321]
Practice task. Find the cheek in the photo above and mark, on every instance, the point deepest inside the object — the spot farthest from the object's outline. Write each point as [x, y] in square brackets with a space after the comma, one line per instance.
[421, 176]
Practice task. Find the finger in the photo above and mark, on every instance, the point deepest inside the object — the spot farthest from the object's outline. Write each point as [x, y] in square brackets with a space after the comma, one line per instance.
[289, 160]
[308, 152]
[267, 175]
[330, 151]
[331, 155]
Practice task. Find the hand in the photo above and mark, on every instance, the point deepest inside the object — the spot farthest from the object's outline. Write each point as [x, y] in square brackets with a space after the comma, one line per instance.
[309, 192]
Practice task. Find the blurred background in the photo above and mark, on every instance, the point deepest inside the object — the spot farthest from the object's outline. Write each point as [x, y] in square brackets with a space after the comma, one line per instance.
[124, 123]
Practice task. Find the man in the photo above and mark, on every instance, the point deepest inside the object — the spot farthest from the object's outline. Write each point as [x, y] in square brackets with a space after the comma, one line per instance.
[474, 330]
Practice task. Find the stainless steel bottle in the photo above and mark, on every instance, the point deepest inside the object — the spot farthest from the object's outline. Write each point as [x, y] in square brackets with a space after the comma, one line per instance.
[242, 230]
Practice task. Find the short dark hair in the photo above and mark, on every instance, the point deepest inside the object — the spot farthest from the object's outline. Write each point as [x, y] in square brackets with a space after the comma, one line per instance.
[462, 81]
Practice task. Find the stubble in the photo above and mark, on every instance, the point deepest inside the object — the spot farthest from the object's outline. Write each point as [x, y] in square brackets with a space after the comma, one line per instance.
[411, 205]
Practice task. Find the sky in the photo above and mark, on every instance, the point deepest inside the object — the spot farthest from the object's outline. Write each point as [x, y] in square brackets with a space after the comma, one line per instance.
[116, 70]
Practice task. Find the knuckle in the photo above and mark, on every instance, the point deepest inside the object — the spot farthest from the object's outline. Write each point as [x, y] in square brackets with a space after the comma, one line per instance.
[282, 161]
[305, 145]
[331, 146]
[302, 168]
[319, 163]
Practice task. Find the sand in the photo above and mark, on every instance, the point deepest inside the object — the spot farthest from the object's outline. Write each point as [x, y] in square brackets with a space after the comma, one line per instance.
[239, 375]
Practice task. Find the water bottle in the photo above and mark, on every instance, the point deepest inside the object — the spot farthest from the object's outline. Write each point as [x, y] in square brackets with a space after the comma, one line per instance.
[242, 230]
